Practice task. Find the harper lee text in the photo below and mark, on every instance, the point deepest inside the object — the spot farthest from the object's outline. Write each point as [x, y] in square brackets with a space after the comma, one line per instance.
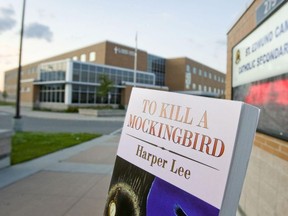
[154, 160]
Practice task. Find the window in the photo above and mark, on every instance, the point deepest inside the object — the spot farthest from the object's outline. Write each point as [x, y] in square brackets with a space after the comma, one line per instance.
[92, 56]
[52, 93]
[83, 57]
[188, 80]
[156, 65]
[84, 76]
[76, 72]
[200, 72]
[52, 72]
[194, 70]
[75, 58]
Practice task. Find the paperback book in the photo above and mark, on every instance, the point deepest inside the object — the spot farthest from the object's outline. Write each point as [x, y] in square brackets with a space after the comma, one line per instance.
[181, 155]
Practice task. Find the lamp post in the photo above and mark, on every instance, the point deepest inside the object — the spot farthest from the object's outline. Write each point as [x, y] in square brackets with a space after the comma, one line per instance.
[135, 61]
[17, 121]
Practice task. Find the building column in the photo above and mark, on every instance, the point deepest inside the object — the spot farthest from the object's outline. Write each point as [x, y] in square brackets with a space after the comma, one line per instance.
[69, 70]
[68, 94]
[68, 80]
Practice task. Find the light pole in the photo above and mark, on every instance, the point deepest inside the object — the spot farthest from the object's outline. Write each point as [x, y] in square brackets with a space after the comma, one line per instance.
[135, 61]
[17, 122]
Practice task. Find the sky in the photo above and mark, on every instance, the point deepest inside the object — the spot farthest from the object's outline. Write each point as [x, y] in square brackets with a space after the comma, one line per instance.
[167, 28]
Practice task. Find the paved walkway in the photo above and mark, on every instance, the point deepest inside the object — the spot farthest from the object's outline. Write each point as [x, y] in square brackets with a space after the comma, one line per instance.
[57, 115]
[71, 182]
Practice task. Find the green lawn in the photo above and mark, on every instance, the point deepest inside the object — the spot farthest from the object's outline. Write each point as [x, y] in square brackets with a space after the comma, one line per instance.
[30, 145]
[4, 103]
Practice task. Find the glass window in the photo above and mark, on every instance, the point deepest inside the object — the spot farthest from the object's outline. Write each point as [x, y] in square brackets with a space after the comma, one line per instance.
[188, 80]
[92, 68]
[194, 70]
[92, 77]
[52, 93]
[99, 69]
[156, 65]
[106, 71]
[92, 56]
[76, 65]
[194, 86]
[84, 67]
[83, 58]
[76, 74]
[84, 76]
[83, 97]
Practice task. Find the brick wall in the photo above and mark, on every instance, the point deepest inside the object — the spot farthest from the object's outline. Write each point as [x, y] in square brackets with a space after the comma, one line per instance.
[272, 145]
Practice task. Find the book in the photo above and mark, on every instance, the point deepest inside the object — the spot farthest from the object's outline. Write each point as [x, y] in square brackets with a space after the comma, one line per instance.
[181, 155]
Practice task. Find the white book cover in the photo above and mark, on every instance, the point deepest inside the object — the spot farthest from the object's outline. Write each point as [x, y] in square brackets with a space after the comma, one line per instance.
[176, 153]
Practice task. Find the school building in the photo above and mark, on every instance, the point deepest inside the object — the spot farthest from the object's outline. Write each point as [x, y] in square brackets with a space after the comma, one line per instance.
[74, 78]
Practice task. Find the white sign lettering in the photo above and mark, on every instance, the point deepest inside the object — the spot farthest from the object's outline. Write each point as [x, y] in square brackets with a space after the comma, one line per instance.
[122, 51]
[264, 53]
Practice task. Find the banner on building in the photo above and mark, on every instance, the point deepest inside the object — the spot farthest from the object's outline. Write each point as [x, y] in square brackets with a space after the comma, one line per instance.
[260, 72]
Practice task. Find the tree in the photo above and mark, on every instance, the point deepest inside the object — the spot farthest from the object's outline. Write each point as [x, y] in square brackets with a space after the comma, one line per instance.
[105, 86]
[4, 95]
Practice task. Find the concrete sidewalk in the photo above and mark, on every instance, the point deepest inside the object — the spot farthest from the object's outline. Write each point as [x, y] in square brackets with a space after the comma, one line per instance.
[70, 182]
[25, 111]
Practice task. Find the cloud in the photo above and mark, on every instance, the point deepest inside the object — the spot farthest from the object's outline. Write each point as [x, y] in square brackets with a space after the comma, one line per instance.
[7, 11]
[221, 42]
[38, 31]
[165, 15]
[7, 20]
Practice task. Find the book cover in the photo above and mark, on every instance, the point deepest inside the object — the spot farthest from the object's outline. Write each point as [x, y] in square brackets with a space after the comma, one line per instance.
[176, 155]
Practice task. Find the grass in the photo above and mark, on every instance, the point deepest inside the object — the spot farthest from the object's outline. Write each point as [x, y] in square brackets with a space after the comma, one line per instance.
[4, 103]
[30, 145]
